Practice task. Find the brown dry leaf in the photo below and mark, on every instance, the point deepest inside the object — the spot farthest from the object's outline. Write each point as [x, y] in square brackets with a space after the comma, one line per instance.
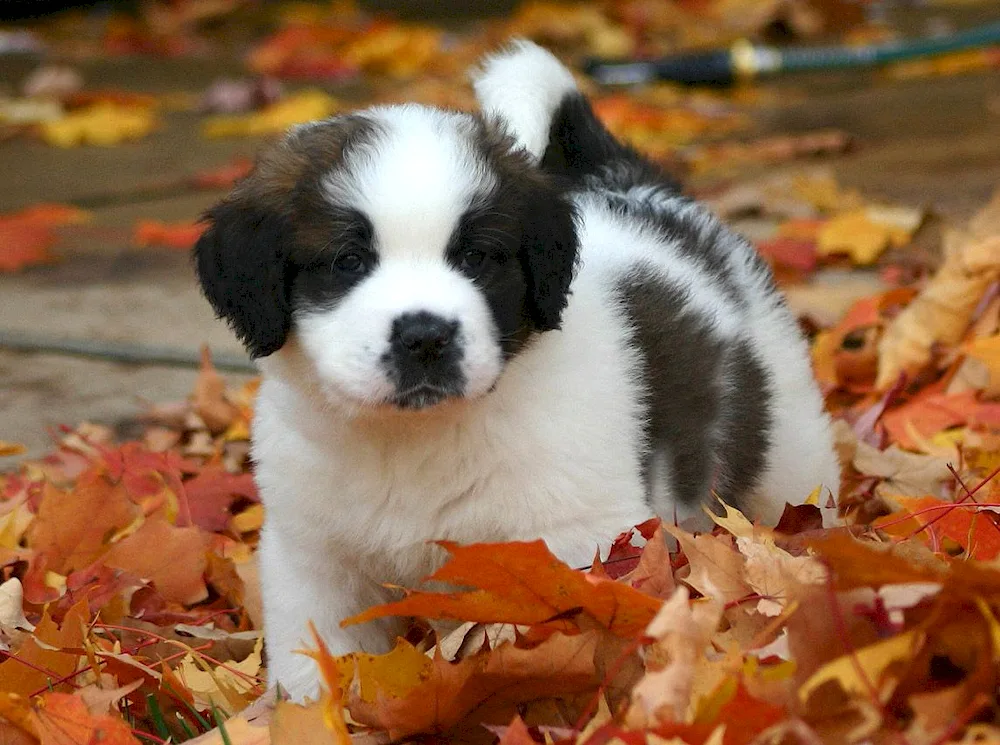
[103, 700]
[230, 686]
[716, 566]
[942, 311]
[447, 692]
[210, 401]
[174, 559]
[682, 631]
[653, 574]
[773, 573]
[904, 473]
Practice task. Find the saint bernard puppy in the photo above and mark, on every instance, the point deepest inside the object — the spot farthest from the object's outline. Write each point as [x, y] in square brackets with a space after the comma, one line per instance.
[493, 327]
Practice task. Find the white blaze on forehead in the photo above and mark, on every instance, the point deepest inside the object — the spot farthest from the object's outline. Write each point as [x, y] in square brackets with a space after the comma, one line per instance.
[414, 180]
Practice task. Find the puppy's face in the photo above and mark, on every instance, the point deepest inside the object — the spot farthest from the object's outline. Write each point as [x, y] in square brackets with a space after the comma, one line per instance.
[411, 252]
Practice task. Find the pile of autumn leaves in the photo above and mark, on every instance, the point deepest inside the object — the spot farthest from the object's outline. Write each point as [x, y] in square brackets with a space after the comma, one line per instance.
[128, 600]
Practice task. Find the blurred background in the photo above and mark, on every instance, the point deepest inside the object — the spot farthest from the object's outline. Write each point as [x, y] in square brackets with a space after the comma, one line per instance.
[839, 135]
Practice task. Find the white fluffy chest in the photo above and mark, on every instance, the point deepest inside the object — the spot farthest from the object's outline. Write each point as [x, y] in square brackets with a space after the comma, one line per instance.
[553, 452]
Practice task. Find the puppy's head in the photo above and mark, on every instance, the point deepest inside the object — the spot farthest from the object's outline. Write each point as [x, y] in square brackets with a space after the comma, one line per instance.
[410, 252]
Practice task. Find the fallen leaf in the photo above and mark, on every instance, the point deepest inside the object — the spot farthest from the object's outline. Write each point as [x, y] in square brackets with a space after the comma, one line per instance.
[933, 519]
[682, 631]
[927, 414]
[180, 236]
[447, 692]
[521, 583]
[73, 526]
[903, 473]
[102, 124]
[859, 671]
[63, 719]
[942, 311]
[41, 664]
[297, 108]
[178, 565]
[27, 236]
[716, 566]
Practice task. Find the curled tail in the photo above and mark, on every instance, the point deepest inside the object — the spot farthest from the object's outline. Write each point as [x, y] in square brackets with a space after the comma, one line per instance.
[537, 99]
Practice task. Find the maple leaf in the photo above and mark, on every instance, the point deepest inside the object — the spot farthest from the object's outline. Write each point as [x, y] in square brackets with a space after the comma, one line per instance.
[857, 671]
[854, 563]
[63, 719]
[176, 567]
[41, 662]
[73, 526]
[906, 474]
[682, 631]
[296, 108]
[180, 236]
[445, 693]
[942, 311]
[27, 236]
[926, 414]
[105, 123]
[716, 566]
[653, 574]
[932, 519]
[210, 400]
[212, 491]
[521, 583]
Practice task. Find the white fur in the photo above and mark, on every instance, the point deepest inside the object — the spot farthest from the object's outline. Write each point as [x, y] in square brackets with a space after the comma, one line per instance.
[523, 86]
[420, 151]
[355, 492]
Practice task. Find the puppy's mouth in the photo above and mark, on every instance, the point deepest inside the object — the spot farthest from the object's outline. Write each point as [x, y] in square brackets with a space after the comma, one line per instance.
[423, 396]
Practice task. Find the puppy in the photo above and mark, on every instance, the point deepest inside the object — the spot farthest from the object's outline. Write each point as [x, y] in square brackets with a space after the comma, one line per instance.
[491, 328]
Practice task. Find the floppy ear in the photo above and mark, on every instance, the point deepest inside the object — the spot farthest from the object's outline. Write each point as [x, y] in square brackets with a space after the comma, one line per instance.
[242, 264]
[548, 255]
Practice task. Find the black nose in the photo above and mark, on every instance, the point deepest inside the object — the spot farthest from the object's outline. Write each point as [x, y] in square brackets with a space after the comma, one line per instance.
[423, 334]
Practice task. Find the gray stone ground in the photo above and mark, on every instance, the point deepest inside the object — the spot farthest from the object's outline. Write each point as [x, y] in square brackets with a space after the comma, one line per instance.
[934, 142]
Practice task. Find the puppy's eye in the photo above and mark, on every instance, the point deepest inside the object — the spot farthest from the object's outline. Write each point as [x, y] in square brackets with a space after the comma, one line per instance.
[352, 262]
[472, 259]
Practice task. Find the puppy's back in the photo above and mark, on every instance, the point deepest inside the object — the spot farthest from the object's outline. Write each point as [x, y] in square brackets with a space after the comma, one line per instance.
[731, 404]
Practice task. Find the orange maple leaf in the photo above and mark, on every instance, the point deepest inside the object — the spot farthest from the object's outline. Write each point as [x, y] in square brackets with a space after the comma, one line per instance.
[522, 583]
[179, 235]
[27, 236]
[63, 719]
[926, 414]
[932, 519]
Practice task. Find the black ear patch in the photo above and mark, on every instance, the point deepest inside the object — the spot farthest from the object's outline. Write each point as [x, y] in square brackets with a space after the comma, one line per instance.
[549, 249]
[242, 264]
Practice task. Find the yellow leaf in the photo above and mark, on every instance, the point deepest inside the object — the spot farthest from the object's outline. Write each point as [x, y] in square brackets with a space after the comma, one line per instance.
[252, 518]
[298, 108]
[10, 448]
[101, 124]
[225, 686]
[14, 524]
[854, 233]
[872, 660]
[734, 521]
[392, 674]
[987, 350]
